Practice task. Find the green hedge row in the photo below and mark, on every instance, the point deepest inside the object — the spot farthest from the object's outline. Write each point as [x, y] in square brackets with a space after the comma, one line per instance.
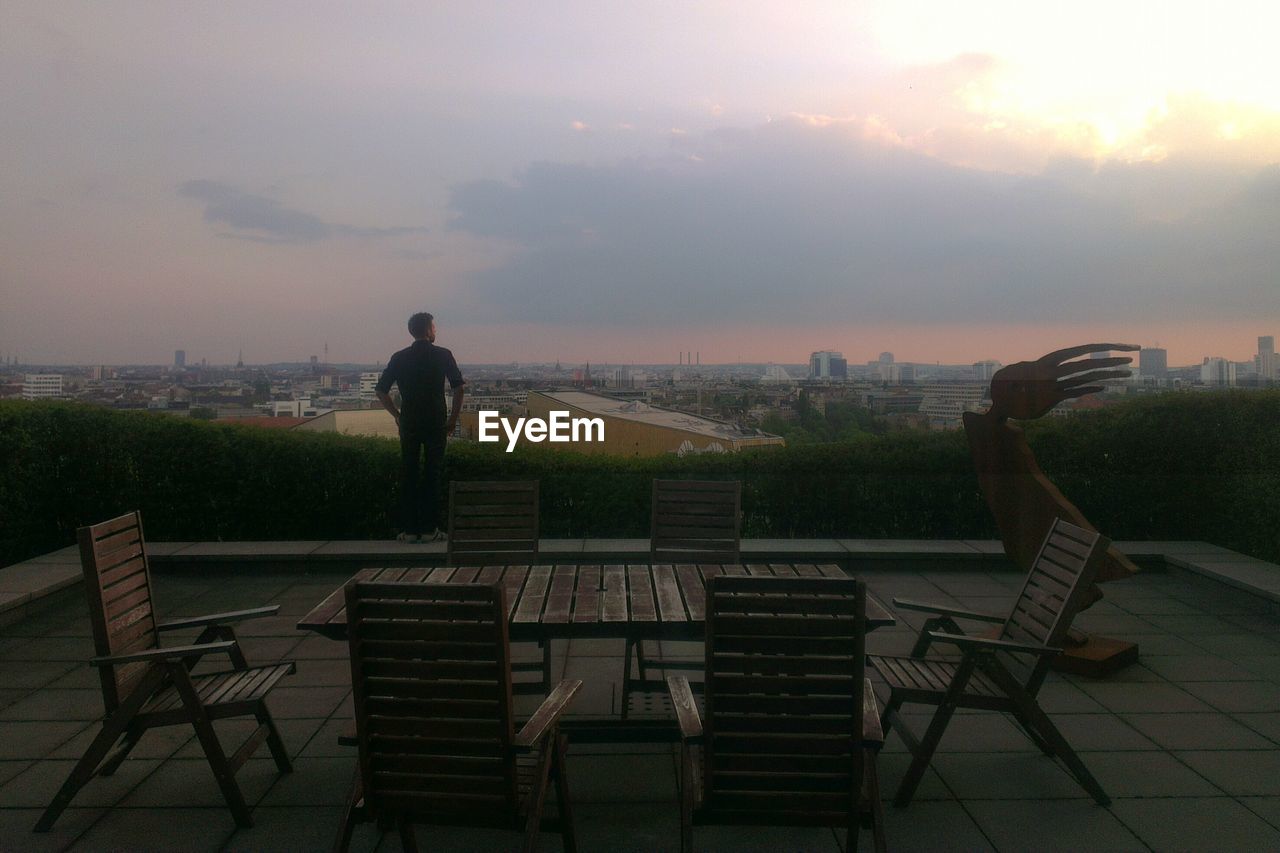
[1184, 466]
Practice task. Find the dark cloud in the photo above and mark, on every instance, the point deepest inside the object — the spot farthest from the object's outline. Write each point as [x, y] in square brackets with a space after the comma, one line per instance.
[802, 223]
[261, 219]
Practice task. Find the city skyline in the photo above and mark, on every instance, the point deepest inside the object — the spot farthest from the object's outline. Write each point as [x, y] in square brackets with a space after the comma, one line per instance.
[744, 181]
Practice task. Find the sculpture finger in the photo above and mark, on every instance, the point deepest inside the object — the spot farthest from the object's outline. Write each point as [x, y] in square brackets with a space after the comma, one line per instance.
[1090, 364]
[1092, 376]
[1061, 355]
[1080, 392]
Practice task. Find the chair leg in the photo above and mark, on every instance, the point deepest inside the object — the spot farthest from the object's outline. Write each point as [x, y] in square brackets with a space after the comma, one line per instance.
[1040, 721]
[686, 797]
[626, 676]
[546, 666]
[408, 838]
[116, 724]
[877, 805]
[343, 842]
[924, 753]
[113, 762]
[640, 659]
[538, 797]
[274, 742]
[1034, 736]
[222, 771]
[80, 774]
[560, 769]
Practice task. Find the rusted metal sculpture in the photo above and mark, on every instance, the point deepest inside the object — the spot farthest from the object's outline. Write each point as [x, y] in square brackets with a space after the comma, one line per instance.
[1022, 499]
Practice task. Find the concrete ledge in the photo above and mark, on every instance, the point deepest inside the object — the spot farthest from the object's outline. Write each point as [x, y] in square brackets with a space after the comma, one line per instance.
[24, 585]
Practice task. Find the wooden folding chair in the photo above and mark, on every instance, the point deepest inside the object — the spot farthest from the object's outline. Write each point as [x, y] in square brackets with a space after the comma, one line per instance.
[791, 728]
[692, 521]
[1001, 673]
[145, 685]
[495, 523]
[431, 675]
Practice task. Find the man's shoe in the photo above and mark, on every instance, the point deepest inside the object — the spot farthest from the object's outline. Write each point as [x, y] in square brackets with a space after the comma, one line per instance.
[436, 535]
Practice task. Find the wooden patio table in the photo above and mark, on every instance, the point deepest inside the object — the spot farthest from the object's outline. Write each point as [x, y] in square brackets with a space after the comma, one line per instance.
[662, 602]
[644, 602]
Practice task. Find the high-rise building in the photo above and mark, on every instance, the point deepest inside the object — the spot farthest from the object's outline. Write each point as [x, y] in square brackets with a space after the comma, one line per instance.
[985, 369]
[886, 358]
[1218, 371]
[179, 358]
[1153, 362]
[41, 386]
[826, 364]
[368, 385]
[1265, 363]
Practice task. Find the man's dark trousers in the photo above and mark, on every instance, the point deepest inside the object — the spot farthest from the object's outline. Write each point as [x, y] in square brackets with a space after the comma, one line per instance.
[420, 478]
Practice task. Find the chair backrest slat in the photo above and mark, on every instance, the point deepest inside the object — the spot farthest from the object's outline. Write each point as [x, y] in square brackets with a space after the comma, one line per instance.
[696, 521]
[493, 523]
[784, 662]
[113, 557]
[431, 678]
[1050, 596]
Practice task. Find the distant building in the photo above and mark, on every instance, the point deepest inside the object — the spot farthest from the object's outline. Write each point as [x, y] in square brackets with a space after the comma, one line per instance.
[179, 358]
[984, 370]
[293, 409]
[41, 386]
[1218, 371]
[371, 422]
[1153, 362]
[1265, 363]
[369, 385]
[827, 364]
[776, 374]
[886, 358]
[634, 428]
[944, 403]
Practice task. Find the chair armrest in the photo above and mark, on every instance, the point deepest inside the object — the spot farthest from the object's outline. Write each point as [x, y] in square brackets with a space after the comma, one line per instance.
[872, 733]
[945, 610]
[218, 618]
[991, 645]
[173, 653]
[685, 706]
[548, 714]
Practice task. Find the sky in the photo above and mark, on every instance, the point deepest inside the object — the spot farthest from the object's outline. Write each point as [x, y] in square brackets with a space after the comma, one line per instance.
[621, 182]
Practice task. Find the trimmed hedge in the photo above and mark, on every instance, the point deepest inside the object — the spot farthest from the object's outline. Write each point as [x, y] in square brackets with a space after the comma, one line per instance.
[1175, 466]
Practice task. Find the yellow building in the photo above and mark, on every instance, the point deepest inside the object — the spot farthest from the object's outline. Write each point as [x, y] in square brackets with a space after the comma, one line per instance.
[633, 428]
[374, 422]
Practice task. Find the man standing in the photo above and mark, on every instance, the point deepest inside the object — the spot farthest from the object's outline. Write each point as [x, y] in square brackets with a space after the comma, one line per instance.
[421, 370]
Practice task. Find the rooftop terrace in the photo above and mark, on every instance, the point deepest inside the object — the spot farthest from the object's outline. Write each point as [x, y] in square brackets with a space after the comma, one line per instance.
[1187, 742]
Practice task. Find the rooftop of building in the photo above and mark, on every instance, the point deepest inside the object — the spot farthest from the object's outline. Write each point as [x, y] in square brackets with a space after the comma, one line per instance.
[1187, 741]
[640, 412]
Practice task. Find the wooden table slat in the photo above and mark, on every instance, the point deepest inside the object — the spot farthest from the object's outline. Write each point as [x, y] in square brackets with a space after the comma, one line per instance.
[669, 603]
[615, 595]
[535, 592]
[489, 575]
[640, 594]
[807, 570]
[513, 583]
[831, 570]
[465, 574]
[586, 605]
[693, 591]
[560, 597]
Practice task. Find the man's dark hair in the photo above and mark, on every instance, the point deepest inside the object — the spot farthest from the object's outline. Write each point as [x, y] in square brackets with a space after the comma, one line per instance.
[419, 323]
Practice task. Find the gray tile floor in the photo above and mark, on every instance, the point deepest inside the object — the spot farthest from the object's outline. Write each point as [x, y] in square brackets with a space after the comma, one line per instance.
[1187, 742]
